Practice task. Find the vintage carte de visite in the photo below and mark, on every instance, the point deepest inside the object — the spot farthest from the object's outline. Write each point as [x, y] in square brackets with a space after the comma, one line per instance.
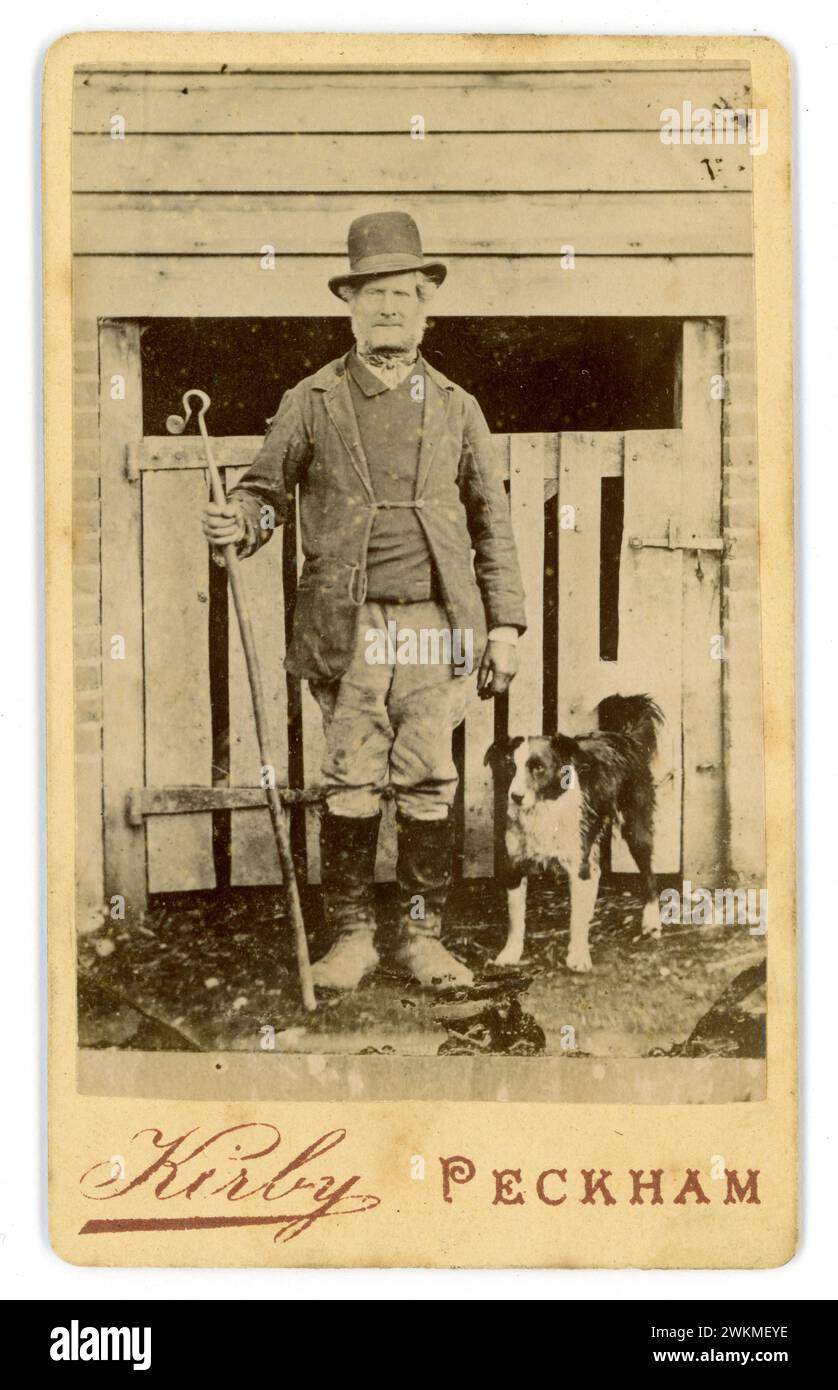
[420, 632]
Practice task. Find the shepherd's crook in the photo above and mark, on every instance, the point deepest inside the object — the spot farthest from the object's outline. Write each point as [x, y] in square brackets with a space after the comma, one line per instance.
[176, 424]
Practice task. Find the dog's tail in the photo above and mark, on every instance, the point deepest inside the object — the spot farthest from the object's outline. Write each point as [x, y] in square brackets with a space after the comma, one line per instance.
[637, 715]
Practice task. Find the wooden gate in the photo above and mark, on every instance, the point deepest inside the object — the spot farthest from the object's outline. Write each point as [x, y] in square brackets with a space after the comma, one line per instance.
[619, 540]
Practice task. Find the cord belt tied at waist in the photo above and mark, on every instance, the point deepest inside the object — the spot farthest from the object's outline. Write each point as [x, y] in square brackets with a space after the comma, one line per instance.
[416, 502]
[361, 568]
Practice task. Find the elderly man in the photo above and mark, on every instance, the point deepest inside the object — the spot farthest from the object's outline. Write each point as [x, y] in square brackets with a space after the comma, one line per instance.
[398, 483]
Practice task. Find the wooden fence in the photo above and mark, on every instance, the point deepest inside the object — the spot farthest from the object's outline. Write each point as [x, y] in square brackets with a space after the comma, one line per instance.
[618, 600]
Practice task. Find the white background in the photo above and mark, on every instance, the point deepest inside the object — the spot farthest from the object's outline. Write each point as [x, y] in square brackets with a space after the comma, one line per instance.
[28, 1267]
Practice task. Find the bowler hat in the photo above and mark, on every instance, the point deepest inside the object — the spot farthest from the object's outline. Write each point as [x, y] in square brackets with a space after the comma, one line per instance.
[385, 243]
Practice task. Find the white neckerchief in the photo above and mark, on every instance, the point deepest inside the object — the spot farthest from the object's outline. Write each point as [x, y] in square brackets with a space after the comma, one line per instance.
[393, 374]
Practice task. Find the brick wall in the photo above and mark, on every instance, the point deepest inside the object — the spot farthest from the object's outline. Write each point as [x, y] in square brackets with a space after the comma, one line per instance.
[87, 633]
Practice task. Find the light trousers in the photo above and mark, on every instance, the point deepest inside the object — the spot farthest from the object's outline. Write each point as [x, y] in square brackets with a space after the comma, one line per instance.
[392, 722]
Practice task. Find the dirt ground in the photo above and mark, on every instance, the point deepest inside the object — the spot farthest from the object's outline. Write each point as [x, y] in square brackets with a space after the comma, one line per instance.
[217, 974]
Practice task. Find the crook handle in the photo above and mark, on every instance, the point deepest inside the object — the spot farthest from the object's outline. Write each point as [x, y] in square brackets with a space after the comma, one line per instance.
[176, 424]
[187, 408]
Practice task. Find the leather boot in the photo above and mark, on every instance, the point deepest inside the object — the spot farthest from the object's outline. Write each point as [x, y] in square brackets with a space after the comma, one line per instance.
[423, 870]
[347, 866]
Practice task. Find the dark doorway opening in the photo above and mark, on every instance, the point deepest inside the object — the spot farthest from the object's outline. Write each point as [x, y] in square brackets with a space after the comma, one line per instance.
[530, 375]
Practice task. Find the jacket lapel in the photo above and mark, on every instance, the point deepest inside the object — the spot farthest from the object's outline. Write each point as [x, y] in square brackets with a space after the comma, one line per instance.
[437, 400]
[339, 406]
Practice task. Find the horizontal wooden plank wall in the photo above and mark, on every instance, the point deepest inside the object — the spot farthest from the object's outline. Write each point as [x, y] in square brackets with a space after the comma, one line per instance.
[514, 167]
[264, 102]
[578, 161]
[228, 286]
[462, 224]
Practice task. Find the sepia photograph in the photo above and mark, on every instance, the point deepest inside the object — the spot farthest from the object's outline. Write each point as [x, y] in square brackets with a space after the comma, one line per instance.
[417, 622]
[420, 653]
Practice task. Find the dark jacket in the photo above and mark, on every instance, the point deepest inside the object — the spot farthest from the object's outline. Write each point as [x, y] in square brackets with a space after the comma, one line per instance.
[313, 442]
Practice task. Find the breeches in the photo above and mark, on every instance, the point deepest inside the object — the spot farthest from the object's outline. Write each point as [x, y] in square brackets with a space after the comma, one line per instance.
[392, 723]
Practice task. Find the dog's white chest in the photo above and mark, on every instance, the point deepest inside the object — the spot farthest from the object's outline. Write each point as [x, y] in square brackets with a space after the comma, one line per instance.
[549, 832]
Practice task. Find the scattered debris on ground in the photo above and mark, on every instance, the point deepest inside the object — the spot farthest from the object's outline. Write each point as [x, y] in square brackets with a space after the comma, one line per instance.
[487, 1017]
[735, 1025]
[217, 973]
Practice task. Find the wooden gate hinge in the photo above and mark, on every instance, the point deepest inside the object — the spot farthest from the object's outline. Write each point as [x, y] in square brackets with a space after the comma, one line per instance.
[132, 462]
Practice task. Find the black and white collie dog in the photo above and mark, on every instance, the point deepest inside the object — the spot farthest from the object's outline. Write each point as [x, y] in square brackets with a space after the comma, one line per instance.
[564, 795]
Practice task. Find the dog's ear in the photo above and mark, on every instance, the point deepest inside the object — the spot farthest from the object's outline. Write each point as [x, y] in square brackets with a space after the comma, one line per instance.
[564, 748]
[501, 751]
[568, 752]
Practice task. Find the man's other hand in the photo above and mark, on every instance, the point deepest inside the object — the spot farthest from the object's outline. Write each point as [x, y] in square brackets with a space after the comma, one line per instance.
[497, 669]
[223, 525]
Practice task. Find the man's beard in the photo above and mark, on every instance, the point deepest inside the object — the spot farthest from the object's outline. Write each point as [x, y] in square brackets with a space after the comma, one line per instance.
[386, 355]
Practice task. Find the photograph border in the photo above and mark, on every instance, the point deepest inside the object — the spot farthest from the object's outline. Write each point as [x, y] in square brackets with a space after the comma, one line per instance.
[764, 1130]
